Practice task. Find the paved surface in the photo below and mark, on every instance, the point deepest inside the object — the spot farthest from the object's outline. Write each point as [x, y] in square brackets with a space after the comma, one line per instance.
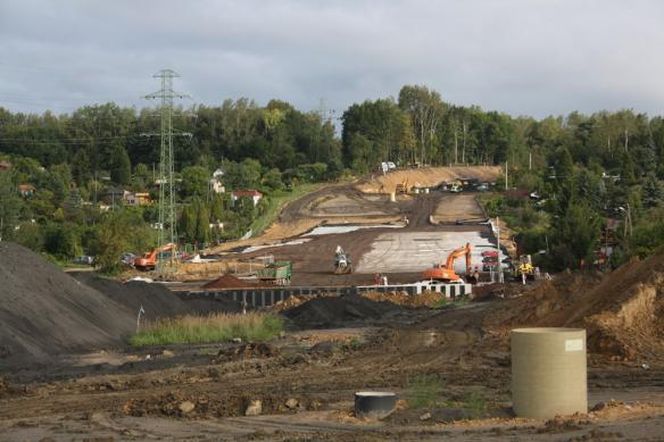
[414, 251]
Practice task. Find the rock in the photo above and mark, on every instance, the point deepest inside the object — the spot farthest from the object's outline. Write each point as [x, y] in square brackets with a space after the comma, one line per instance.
[292, 403]
[237, 340]
[187, 407]
[599, 406]
[255, 408]
[426, 416]
[167, 354]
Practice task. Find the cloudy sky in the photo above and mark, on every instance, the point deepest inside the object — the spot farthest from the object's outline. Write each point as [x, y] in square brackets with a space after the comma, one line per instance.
[524, 57]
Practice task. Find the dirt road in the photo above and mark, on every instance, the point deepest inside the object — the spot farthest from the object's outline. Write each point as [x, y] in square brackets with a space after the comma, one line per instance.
[317, 374]
[400, 253]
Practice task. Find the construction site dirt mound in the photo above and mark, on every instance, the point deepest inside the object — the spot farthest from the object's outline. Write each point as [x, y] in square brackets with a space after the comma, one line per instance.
[333, 311]
[428, 177]
[228, 282]
[157, 301]
[426, 299]
[45, 312]
[200, 304]
[623, 311]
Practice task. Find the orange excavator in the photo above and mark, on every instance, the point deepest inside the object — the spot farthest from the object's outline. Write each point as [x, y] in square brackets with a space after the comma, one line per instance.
[445, 272]
[149, 259]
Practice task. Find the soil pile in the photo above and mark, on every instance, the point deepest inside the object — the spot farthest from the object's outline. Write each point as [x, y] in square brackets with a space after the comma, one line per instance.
[622, 312]
[156, 300]
[332, 311]
[429, 177]
[228, 282]
[45, 312]
[426, 299]
[197, 303]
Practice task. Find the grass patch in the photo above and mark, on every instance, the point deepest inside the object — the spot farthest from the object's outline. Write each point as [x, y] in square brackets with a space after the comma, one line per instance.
[424, 391]
[212, 328]
[277, 200]
[475, 403]
[447, 304]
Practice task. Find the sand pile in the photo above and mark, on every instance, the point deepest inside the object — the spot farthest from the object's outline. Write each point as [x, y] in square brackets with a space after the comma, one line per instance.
[332, 311]
[429, 177]
[622, 312]
[45, 312]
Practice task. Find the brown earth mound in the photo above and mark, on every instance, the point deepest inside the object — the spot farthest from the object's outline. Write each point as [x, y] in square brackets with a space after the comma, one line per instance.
[622, 312]
[426, 299]
[45, 312]
[429, 177]
[228, 282]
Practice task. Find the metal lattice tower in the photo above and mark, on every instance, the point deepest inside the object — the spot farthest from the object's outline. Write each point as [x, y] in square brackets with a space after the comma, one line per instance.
[167, 217]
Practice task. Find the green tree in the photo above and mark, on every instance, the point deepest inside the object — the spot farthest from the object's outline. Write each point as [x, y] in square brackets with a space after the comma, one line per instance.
[195, 182]
[142, 177]
[576, 234]
[272, 179]
[652, 192]
[187, 227]
[62, 240]
[202, 224]
[10, 206]
[121, 231]
[120, 165]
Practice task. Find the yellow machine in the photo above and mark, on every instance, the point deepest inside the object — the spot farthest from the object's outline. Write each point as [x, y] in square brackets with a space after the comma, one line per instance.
[403, 186]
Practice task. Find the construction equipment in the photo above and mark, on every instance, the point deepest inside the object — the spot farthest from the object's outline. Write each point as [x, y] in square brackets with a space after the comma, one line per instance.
[276, 273]
[149, 259]
[456, 187]
[402, 187]
[445, 272]
[524, 269]
[342, 262]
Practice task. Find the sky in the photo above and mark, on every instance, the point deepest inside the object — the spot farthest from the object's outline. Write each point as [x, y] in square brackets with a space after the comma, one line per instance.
[522, 57]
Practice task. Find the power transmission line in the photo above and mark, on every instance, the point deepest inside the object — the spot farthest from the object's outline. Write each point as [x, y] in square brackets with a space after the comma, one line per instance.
[167, 228]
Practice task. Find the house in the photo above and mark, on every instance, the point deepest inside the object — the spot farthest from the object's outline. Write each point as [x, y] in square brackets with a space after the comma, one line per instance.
[216, 184]
[5, 165]
[255, 195]
[137, 198]
[26, 190]
[113, 195]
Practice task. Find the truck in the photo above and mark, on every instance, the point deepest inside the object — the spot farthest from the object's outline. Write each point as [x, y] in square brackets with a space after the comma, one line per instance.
[276, 273]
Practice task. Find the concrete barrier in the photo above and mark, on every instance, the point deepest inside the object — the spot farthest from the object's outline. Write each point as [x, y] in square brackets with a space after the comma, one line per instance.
[267, 296]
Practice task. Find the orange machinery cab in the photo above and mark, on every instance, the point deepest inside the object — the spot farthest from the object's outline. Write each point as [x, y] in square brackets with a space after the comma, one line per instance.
[445, 272]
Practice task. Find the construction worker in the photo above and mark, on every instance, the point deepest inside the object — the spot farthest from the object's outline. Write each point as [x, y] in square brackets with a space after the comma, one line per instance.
[377, 279]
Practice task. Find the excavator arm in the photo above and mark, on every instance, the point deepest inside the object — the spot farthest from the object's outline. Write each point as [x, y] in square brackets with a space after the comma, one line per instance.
[446, 272]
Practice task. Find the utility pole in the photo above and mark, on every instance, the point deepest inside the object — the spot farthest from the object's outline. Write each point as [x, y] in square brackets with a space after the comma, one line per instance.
[530, 160]
[456, 147]
[506, 185]
[166, 95]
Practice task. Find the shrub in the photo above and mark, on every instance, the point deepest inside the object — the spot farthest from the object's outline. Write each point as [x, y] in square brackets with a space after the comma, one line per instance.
[212, 328]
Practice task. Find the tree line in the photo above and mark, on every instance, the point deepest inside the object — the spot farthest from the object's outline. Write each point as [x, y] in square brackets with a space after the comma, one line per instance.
[586, 166]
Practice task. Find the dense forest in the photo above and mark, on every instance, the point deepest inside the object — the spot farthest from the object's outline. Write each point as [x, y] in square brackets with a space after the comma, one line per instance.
[586, 168]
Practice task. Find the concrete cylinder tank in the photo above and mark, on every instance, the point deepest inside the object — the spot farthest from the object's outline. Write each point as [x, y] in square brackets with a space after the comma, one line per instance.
[549, 372]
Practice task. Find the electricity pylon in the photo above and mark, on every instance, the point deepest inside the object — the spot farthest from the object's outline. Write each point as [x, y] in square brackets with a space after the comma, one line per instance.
[167, 225]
